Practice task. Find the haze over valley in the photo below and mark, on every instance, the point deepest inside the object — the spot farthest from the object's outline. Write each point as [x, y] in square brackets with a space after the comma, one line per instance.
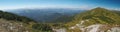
[59, 16]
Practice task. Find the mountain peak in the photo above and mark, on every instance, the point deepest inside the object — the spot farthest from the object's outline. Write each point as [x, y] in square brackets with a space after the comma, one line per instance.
[97, 15]
[99, 9]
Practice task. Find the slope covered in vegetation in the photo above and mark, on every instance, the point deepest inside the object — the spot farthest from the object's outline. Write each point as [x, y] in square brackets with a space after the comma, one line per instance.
[94, 19]
[98, 16]
[10, 22]
[11, 16]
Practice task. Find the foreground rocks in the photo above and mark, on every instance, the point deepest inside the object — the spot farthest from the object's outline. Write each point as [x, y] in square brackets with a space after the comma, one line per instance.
[94, 27]
[11, 26]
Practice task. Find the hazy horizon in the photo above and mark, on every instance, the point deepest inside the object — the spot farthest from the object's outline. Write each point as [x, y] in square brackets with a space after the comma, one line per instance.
[81, 4]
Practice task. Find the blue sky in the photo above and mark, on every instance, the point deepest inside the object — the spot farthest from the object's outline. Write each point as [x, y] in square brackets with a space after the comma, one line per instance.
[82, 4]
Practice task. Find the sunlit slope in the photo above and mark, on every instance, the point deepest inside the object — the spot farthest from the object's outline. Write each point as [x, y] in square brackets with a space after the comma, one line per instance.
[94, 20]
[96, 16]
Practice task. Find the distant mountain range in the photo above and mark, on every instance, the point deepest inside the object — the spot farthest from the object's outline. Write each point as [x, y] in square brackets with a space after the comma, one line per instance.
[94, 20]
[46, 14]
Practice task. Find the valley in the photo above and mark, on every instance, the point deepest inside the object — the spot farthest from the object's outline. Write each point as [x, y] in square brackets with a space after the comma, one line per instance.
[59, 15]
[94, 20]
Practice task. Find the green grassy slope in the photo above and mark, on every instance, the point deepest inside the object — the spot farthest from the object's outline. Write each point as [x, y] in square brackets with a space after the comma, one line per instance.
[27, 23]
[96, 16]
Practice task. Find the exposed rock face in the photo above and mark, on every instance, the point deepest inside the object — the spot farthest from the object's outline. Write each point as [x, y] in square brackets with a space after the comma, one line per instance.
[114, 29]
[9, 26]
[60, 30]
[96, 27]
[92, 28]
[101, 28]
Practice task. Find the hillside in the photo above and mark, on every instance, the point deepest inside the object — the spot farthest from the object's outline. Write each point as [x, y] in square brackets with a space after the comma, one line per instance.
[12, 26]
[10, 22]
[94, 20]
[11, 16]
[99, 16]
[118, 12]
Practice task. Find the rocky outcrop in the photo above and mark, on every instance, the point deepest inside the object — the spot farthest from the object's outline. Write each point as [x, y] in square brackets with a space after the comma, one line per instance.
[96, 27]
[10, 26]
[114, 29]
[60, 30]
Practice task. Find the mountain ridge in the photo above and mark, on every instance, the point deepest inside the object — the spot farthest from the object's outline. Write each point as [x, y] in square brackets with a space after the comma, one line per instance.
[94, 19]
[45, 15]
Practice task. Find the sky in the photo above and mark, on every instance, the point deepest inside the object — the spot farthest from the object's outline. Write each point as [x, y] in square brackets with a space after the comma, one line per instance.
[81, 4]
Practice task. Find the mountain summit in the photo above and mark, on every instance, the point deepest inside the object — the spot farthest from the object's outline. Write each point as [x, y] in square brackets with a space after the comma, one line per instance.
[105, 16]
[94, 20]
